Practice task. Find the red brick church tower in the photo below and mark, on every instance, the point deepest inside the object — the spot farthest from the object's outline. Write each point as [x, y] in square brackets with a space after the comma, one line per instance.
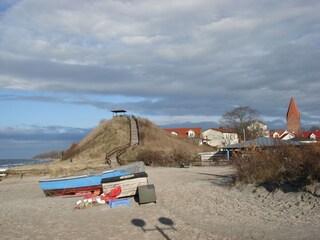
[293, 118]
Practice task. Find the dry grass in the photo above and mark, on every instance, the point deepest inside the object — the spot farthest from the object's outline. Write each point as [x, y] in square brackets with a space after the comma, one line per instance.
[161, 149]
[280, 165]
[59, 168]
[106, 137]
[156, 147]
[89, 154]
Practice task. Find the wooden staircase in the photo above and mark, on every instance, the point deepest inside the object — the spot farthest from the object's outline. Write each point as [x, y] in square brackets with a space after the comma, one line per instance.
[134, 132]
[113, 157]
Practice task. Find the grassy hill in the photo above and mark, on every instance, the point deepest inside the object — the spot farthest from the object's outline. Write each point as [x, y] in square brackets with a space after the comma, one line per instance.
[156, 147]
[162, 149]
[104, 138]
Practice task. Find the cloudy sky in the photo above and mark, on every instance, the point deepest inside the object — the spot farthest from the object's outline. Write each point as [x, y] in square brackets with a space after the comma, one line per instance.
[65, 64]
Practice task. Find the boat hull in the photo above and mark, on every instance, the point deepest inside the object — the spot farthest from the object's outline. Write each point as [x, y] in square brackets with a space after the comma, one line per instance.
[82, 191]
[78, 185]
[129, 183]
[86, 184]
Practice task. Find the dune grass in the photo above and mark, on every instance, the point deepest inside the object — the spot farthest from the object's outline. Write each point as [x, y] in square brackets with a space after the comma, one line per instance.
[156, 147]
[159, 148]
[104, 138]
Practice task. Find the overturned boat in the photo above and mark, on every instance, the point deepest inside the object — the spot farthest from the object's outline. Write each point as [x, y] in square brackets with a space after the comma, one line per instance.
[86, 184]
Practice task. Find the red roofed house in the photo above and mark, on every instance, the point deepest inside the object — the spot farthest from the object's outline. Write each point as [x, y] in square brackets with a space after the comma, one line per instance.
[185, 132]
[220, 137]
[277, 133]
[293, 118]
[288, 136]
[294, 127]
[312, 135]
[293, 124]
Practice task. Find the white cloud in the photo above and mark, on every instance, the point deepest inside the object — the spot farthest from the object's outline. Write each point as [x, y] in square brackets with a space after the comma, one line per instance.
[201, 53]
[163, 120]
[141, 40]
[229, 25]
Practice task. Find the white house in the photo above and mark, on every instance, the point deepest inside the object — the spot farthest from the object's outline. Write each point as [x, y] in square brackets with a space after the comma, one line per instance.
[184, 132]
[190, 133]
[287, 136]
[259, 128]
[219, 137]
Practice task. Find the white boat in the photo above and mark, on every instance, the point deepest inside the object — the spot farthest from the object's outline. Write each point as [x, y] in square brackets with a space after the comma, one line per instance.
[129, 183]
[3, 172]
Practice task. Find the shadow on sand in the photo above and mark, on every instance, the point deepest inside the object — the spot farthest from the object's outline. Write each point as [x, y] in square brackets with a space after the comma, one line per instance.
[219, 179]
[165, 221]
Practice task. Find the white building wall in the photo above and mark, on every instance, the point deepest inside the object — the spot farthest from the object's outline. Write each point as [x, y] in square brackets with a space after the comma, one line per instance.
[288, 136]
[218, 139]
[230, 138]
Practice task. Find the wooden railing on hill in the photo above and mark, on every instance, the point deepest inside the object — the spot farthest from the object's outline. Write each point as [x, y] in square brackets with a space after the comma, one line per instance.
[134, 137]
[121, 150]
[117, 150]
[134, 131]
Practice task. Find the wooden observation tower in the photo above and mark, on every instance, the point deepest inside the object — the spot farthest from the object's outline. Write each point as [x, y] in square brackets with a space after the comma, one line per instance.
[119, 113]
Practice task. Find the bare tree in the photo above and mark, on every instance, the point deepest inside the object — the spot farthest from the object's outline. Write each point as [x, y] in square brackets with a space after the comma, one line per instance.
[240, 119]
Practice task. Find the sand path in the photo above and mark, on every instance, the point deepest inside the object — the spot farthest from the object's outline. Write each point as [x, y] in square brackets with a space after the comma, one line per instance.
[192, 203]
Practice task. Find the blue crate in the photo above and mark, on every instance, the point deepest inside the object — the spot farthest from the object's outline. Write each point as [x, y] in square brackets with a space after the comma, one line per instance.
[120, 202]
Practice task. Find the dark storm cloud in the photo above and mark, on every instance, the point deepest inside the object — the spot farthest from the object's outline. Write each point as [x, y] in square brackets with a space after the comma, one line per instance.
[180, 57]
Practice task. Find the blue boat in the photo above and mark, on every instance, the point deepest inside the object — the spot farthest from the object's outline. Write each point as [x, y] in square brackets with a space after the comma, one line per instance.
[85, 184]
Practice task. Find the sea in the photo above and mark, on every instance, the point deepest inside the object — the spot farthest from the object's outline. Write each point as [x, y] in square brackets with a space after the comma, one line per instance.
[9, 163]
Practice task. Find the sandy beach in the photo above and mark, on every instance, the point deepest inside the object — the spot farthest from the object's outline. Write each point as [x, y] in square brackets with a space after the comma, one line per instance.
[192, 203]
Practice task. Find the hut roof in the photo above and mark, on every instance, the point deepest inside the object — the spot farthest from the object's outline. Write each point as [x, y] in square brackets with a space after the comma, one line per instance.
[261, 142]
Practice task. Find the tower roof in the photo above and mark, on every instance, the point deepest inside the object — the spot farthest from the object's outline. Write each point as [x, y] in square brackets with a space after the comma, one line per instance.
[293, 109]
[293, 118]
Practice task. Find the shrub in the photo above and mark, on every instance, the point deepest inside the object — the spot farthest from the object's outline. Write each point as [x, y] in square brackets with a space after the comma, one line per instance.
[152, 157]
[173, 158]
[70, 152]
[180, 155]
[280, 165]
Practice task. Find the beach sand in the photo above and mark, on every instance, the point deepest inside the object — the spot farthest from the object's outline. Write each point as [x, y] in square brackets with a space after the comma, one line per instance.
[192, 203]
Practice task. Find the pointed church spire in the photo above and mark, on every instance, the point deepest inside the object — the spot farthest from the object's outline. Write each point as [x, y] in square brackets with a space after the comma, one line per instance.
[293, 118]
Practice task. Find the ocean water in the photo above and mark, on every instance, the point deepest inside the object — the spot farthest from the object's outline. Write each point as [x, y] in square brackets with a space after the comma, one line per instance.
[9, 163]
